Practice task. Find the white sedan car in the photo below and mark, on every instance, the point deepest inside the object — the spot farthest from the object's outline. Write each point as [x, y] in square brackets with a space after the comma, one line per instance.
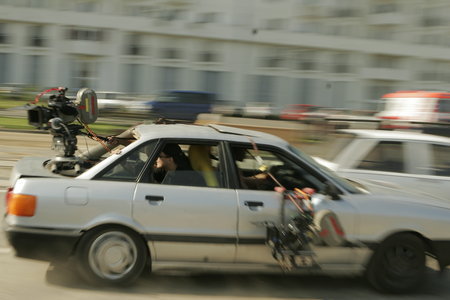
[238, 200]
[417, 162]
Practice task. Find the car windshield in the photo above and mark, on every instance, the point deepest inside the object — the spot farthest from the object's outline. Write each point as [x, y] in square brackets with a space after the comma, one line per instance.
[351, 187]
[334, 144]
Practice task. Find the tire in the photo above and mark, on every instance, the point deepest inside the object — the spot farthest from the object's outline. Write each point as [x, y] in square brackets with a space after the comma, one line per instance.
[398, 264]
[111, 256]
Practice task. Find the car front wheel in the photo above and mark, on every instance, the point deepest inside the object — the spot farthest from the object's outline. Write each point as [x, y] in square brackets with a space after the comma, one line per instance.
[398, 264]
[111, 256]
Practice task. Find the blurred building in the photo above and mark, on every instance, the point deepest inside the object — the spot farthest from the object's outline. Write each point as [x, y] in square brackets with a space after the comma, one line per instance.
[334, 53]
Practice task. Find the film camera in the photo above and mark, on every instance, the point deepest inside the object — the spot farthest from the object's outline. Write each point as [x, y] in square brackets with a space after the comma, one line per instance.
[58, 116]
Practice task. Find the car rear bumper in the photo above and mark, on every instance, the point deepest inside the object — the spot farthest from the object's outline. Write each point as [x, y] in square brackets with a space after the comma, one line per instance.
[41, 245]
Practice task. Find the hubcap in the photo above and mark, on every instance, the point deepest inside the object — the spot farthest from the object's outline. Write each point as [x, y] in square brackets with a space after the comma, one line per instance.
[402, 260]
[112, 255]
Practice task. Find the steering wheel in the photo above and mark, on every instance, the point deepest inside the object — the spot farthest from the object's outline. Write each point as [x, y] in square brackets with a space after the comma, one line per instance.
[288, 177]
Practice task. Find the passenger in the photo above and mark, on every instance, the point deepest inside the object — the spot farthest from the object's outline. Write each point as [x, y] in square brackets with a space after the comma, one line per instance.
[260, 181]
[173, 167]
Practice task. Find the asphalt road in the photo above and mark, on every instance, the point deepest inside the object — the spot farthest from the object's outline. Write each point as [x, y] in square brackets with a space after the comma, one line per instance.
[27, 279]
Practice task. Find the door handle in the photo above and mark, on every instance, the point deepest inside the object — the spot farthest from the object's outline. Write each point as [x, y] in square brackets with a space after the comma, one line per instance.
[254, 205]
[154, 200]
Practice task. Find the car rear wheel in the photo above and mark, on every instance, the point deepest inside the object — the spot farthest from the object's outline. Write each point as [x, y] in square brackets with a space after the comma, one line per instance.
[111, 256]
[398, 264]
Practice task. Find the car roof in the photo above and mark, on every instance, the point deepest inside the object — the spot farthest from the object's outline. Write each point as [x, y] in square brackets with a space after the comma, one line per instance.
[396, 135]
[209, 131]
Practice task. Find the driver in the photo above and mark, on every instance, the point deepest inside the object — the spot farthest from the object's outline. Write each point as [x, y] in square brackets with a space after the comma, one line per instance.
[171, 166]
[260, 181]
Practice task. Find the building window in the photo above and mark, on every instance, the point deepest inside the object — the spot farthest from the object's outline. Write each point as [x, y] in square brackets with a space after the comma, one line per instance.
[133, 45]
[36, 36]
[171, 53]
[305, 60]
[86, 5]
[170, 14]
[85, 34]
[434, 16]
[208, 56]
[207, 17]
[341, 63]
[272, 62]
[381, 8]
[85, 73]
[385, 61]
[4, 38]
[273, 58]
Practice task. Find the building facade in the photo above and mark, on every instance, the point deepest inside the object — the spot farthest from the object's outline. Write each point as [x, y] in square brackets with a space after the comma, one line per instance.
[333, 53]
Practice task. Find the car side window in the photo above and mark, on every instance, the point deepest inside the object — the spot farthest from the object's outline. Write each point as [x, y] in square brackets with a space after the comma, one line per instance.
[129, 167]
[187, 164]
[440, 160]
[385, 156]
[266, 169]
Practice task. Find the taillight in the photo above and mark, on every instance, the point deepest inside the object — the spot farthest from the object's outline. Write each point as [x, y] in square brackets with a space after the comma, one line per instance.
[20, 204]
[7, 197]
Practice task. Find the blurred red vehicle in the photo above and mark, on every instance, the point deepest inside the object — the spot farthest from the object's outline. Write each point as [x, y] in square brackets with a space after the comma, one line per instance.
[298, 111]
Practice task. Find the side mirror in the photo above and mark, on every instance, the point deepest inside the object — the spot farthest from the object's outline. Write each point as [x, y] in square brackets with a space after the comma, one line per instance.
[332, 191]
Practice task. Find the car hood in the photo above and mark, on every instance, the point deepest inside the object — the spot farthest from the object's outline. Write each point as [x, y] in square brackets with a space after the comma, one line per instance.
[403, 195]
[330, 165]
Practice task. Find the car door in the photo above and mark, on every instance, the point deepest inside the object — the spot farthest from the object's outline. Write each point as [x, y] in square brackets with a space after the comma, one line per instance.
[187, 223]
[430, 171]
[259, 204]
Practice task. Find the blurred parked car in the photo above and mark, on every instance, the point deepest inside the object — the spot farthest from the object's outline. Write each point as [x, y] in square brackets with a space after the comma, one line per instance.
[413, 161]
[181, 105]
[263, 110]
[299, 111]
[111, 102]
[118, 218]
[15, 91]
[228, 108]
[414, 106]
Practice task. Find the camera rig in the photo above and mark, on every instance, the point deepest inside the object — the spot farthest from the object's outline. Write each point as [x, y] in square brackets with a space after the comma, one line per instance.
[58, 118]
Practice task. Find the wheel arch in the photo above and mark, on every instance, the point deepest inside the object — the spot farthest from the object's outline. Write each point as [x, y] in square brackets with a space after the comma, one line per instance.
[112, 225]
[408, 273]
[429, 249]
